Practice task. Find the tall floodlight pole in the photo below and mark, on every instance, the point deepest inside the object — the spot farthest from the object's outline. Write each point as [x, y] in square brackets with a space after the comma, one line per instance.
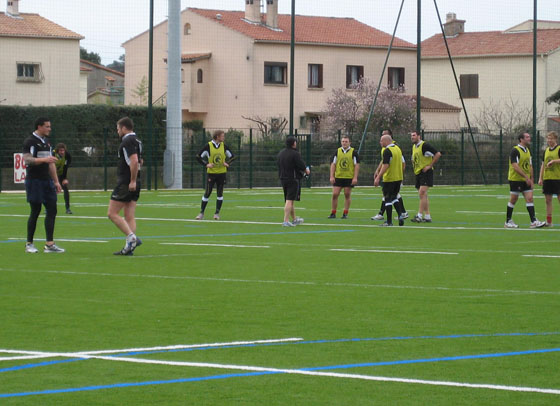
[418, 65]
[292, 58]
[150, 85]
[534, 68]
[173, 159]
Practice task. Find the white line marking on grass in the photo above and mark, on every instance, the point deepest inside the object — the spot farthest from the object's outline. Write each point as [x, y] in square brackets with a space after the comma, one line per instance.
[542, 256]
[214, 245]
[279, 282]
[266, 207]
[479, 212]
[395, 251]
[59, 239]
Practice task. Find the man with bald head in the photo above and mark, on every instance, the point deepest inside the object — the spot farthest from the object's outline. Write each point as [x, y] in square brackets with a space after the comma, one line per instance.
[392, 169]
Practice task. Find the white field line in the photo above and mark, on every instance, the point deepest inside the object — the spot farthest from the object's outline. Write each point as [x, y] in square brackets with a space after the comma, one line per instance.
[395, 251]
[90, 354]
[214, 245]
[59, 239]
[280, 282]
[308, 373]
[542, 256]
[339, 225]
[479, 212]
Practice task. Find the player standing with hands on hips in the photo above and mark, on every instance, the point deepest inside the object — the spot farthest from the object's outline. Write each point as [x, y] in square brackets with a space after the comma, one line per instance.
[345, 167]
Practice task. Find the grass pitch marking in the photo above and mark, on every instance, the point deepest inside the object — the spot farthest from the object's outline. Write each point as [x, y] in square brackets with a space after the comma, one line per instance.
[542, 256]
[214, 245]
[394, 251]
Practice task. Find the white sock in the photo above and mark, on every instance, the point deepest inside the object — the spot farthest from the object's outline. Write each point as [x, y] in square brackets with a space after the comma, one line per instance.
[131, 237]
[419, 215]
[428, 217]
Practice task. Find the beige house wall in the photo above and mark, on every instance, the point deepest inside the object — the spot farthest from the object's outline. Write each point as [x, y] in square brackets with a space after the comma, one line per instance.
[60, 66]
[440, 120]
[83, 87]
[500, 79]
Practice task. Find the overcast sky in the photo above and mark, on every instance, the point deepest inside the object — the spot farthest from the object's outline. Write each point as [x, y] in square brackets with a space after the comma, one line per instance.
[106, 24]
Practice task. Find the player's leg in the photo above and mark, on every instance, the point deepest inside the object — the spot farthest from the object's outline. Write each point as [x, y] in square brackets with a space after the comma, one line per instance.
[347, 200]
[50, 217]
[220, 182]
[334, 201]
[548, 202]
[210, 181]
[32, 220]
[113, 211]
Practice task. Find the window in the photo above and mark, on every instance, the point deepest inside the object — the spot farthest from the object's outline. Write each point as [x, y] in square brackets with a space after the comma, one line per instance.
[396, 79]
[315, 76]
[187, 29]
[199, 76]
[248, 1]
[29, 72]
[353, 75]
[269, 1]
[275, 73]
[469, 86]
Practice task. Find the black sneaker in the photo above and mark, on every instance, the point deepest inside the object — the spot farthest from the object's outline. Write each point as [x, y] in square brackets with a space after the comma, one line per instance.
[416, 219]
[385, 224]
[124, 251]
[332, 216]
[68, 211]
[425, 220]
[401, 221]
[344, 216]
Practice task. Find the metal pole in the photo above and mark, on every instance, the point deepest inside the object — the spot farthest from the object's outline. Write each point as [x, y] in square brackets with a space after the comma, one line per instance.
[150, 110]
[418, 65]
[292, 59]
[501, 166]
[250, 158]
[462, 157]
[238, 166]
[534, 68]
[105, 136]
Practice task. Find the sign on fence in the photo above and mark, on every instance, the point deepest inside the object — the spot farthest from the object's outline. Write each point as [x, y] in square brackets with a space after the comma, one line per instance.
[19, 168]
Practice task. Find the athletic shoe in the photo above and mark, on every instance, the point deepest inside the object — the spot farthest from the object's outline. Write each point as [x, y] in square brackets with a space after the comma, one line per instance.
[297, 221]
[30, 248]
[425, 220]
[53, 248]
[510, 224]
[401, 221]
[344, 216]
[537, 224]
[137, 244]
[385, 224]
[124, 251]
[216, 216]
[405, 215]
[332, 216]
[416, 219]
[68, 211]
[288, 224]
[200, 216]
[378, 217]
[548, 225]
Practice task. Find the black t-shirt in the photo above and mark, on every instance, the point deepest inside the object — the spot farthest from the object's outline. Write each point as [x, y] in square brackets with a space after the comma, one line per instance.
[130, 145]
[38, 147]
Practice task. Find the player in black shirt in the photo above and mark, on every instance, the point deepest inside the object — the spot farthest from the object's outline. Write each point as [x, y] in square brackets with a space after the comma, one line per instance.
[64, 159]
[126, 193]
[41, 184]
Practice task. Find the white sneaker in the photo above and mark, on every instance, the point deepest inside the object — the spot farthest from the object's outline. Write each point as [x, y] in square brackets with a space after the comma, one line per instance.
[200, 216]
[297, 221]
[510, 224]
[404, 215]
[378, 217]
[216, 216]
[288, 224]
[53, 248]
[30, 248]
[537, 224]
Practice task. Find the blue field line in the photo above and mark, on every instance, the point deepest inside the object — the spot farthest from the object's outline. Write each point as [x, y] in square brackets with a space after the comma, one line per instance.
[260, 373]
[340, 340]
[154, 237]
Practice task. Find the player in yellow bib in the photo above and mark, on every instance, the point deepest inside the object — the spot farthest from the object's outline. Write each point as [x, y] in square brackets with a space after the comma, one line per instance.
[549, 177]
[216, 158]
[520, 178]
[424, 157]
[345, 166]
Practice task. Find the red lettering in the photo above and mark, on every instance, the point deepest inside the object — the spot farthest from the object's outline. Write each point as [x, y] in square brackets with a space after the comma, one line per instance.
[17, 162]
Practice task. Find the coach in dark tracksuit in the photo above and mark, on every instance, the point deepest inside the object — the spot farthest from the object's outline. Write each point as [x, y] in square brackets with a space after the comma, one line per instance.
[290, 171]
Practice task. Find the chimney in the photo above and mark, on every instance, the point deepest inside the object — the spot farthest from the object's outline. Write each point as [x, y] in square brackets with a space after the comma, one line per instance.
[12, 8]
[452, 26]
[272, 13]
[253, 11]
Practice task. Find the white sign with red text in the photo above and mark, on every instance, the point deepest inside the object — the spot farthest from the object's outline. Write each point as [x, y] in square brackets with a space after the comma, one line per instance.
[19, 168]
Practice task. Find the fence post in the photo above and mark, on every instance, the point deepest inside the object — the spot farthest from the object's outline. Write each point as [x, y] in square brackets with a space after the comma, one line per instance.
[203, 172]
[537, 167]
[462, 157]
[155, 161]
[192, 159]
[308, 157]
[501, 166]
[238, 162]
[250, 158]
[339, 132]
[105, 152]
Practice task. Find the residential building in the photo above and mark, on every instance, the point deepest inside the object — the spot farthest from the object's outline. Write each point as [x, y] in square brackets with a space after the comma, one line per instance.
[494, 68]
[236, 64]
[39, 62]
[104, 85]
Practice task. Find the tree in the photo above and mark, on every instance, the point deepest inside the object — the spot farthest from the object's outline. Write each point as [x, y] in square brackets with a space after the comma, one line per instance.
[555, 98]
[118, 65]
[509, 115]
[348, 111]
[140, 92]
[269, 126]
[90, 56]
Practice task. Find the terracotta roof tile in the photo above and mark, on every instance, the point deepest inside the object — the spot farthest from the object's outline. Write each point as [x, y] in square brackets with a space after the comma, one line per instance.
[33, 26]
[433, 105]
[492, 43]
[115, 72]
[319, 30]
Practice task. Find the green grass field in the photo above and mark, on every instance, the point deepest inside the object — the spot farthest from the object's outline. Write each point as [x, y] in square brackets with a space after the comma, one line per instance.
[242, 311]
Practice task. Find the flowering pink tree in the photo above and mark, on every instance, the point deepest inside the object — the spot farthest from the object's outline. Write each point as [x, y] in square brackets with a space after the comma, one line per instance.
[348, 110]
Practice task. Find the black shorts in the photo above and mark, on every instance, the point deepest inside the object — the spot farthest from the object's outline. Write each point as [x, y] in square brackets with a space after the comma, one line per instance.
[551, 187]
[122, 194]
[292, 189]
[391, 190]
[343, 182]
[40, 190]
[519, 186]
[218, 179]
[425, 179]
